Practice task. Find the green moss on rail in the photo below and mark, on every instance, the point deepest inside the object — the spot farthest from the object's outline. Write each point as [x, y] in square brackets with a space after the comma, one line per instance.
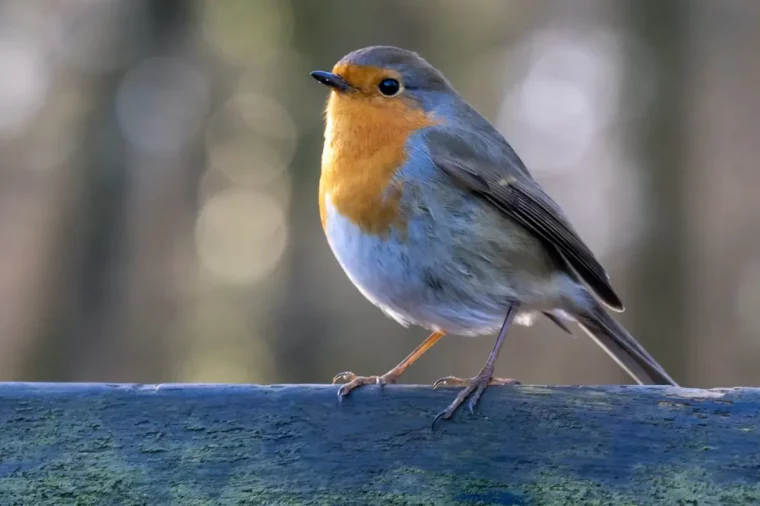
[258, 446]
[102, 476]
[651, 486]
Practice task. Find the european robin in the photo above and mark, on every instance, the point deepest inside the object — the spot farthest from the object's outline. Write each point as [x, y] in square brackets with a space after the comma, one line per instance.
[438, 222]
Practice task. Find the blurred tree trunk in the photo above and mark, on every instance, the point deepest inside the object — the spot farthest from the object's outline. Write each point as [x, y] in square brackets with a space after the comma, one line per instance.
[659, 278]
[81, 337]
[84, 224]
[724, 236]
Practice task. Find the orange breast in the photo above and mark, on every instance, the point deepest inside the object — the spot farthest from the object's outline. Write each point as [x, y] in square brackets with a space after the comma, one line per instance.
[364, 147]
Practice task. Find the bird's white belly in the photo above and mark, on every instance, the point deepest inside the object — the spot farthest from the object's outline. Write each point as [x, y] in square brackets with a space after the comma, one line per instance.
[375, 265]
[414, 283]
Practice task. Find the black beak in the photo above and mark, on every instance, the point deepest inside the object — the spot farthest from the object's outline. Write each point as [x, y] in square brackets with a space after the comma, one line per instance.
[334, 81]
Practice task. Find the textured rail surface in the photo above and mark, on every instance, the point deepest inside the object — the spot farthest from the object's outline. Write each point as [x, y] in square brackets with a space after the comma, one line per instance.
[259, 445]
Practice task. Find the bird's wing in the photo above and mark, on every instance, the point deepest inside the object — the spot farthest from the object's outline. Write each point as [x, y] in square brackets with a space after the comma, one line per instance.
[520, 198]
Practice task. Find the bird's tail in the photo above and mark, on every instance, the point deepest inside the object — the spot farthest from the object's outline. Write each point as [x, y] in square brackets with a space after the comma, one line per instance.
[622, 347]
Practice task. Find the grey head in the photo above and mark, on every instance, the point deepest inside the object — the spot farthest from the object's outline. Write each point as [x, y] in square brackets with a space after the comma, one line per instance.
[387, 71]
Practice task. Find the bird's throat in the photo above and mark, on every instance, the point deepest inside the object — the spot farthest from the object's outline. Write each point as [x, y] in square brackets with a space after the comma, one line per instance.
[365, 146]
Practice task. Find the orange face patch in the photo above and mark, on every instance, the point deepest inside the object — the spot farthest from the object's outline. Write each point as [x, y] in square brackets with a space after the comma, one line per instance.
[365, 79]
[365, 138]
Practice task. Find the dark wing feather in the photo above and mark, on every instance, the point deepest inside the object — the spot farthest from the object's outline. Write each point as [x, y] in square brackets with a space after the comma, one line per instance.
[521, 199]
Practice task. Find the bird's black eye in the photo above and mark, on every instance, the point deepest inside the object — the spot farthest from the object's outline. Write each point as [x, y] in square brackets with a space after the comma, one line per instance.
[389, 87]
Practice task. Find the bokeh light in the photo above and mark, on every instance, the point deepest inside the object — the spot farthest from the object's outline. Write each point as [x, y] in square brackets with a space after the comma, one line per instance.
[24, 85]
[240, 235]
[251, 139]
[568, 95]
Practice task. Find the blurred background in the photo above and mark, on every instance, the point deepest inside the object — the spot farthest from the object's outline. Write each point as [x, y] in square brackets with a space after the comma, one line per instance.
[159, 164]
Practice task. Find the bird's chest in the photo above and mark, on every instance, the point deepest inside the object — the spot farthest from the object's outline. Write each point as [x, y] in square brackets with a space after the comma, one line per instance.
[383, 266]
[361, 157]
[363, 199]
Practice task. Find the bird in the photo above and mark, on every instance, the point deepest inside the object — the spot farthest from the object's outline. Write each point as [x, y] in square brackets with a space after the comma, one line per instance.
[437, 221]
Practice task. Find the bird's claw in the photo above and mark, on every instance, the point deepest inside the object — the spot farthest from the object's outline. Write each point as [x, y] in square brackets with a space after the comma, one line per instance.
[353, 381]
[474, 388]
[454, 381]
[345, 376]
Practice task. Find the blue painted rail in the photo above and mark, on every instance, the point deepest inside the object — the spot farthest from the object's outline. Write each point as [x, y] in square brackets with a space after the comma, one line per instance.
[64, 444]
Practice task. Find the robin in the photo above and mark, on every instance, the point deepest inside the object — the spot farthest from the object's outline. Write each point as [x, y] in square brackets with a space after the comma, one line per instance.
[438, 222]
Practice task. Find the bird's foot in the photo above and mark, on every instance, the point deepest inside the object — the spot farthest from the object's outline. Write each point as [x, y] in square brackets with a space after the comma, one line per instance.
[474, 388]
[454, 381]
[354, 381]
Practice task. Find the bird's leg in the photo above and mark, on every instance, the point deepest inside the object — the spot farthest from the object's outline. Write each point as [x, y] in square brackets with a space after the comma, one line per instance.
[477, 385]
[392, 375]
